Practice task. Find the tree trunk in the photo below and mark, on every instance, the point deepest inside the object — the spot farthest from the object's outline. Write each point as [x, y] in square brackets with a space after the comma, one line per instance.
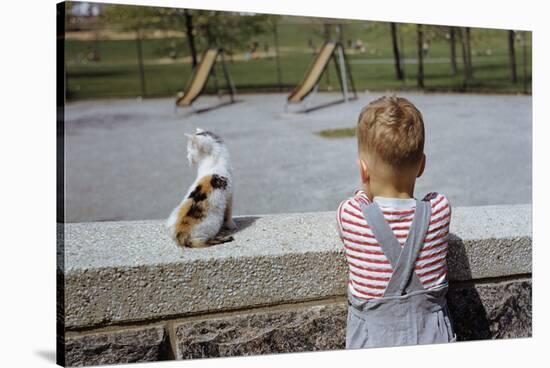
[140, 63]
[396, 55]
[512, 55]
[419, 43]
[452, 41]
[402, 57]
[466, 66]
[190, 36]
[469, 48]
[277, 61]
[524, 47]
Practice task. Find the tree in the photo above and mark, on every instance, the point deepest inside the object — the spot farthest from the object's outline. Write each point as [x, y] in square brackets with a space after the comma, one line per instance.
[512, 56]
[208, 28]
[228, 29]
[465, 44]
[274, 23]
[396, 54]
[433, 33]
[524, 48]
[137, 19]
[422, 36]
[203, 28]
[190, 36]
[452, 42]
[469, 53]
[420, 53]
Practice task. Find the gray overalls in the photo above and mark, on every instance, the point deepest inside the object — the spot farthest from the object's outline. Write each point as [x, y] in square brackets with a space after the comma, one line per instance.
[407, 314]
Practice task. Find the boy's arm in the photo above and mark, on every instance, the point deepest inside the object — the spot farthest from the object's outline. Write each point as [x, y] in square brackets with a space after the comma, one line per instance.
[339, 219]
[358, 197]
[440, 204]
[361, 196]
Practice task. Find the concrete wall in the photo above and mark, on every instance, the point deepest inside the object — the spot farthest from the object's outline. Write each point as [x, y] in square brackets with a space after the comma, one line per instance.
[131, 295]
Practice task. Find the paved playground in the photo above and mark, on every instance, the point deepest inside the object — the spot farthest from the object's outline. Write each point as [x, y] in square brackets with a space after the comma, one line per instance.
[126, 159]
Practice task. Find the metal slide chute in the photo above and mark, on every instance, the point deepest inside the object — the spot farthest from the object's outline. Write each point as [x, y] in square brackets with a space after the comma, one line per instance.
[330, 51]
[201, 74]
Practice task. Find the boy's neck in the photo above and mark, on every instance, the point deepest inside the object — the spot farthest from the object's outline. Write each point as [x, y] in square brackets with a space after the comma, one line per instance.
[392, 194]
[388, 189]
[383, 180]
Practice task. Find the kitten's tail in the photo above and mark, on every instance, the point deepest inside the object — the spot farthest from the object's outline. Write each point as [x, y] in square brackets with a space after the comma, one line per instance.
[221, 240]
[201, 243]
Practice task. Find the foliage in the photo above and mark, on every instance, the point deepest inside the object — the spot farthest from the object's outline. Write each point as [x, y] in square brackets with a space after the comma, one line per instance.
[230, 29]
[372, 68]
[134, 18]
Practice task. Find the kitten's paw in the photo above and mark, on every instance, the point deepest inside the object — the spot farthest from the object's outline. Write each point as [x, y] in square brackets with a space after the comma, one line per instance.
[230, 225]
[172, 233]
[170, 222]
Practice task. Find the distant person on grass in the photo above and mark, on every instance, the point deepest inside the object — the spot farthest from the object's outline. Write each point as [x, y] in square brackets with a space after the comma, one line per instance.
[395, 244]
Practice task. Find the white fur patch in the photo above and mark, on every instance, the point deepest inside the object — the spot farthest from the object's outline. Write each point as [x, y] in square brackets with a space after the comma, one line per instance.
[211, 157]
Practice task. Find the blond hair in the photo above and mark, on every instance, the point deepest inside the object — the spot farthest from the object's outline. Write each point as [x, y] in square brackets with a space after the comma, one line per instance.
[392, 128]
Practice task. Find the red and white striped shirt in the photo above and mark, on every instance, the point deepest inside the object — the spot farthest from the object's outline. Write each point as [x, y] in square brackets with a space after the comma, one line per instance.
[369, 269]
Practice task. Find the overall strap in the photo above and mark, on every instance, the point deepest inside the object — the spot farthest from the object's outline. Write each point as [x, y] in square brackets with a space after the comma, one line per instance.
[382, 232]
[402, 259]
[404, 278]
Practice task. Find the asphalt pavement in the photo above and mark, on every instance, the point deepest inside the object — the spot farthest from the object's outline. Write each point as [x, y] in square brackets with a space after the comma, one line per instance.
[125, 159]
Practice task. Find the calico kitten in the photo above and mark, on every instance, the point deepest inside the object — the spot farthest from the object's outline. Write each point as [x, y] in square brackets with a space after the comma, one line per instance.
[196, 221]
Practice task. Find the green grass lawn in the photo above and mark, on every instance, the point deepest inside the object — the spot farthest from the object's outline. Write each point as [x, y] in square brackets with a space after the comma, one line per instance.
[337, 133]
[116, 74]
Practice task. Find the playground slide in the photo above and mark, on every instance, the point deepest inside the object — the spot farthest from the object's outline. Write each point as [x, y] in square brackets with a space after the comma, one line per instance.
[199, 79]
[313, 75]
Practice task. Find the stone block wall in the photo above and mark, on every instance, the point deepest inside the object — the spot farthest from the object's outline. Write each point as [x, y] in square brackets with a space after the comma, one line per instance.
[130, 295]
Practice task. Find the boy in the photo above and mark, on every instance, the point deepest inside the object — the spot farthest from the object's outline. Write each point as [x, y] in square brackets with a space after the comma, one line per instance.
[395, 245]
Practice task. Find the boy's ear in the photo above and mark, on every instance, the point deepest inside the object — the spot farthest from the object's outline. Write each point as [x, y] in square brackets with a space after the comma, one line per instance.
[363, 170]
[422, 166]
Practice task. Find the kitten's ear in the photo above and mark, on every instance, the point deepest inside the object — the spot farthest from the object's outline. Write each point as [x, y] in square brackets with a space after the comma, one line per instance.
[193, 139]
[205, 146]
[199, 130]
